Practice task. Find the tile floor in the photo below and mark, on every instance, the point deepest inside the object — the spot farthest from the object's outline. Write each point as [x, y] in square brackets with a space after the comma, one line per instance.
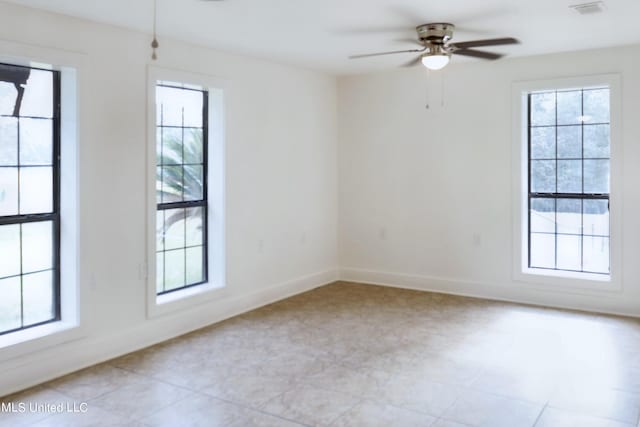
[357, 355]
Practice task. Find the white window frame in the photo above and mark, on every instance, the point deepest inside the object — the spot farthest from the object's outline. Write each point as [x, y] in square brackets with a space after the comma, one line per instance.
[72, 267]
[218, 89]
[558, 279]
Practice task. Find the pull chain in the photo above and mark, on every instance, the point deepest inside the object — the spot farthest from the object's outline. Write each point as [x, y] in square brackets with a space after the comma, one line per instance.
[154, 42]
[428, 74]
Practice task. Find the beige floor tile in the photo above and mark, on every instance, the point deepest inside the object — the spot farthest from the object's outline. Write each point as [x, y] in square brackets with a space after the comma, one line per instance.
[552, 417]
[30, 406]
[486, 410]
[597, 400]
[93, 382]
[313, 357]
[356, 381]
[527, 385]
[94, 417]
[420, 395]
[447, 423]
[259, 419]
[141, 399]
[374, 414]
[310, 405]
[249, 387]
[196, 411]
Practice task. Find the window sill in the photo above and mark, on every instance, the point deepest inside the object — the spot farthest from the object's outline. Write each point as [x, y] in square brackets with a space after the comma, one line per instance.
[34, 339]
[184, 298]
[568, 280]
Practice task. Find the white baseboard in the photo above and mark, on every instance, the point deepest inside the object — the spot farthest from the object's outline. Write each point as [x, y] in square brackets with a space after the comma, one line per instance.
[72, 356]
[511, 292]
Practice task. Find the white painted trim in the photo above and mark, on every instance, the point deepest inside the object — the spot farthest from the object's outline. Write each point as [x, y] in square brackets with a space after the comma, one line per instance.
[531, 294]
[552, 279]
[75, 356]
[218, 109]
[72, 66]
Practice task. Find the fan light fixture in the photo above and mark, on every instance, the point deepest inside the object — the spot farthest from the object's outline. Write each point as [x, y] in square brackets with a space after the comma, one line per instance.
[436, 58]
[435, 61]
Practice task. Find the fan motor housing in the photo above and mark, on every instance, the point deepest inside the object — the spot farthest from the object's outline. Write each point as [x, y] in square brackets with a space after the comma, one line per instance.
[436, 33]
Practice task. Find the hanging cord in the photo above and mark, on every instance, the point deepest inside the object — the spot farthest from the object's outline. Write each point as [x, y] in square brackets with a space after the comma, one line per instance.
[428, 74]
[442, 89]
[154, 42]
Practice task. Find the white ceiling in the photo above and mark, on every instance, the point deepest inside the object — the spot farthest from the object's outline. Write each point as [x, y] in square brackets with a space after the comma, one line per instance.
[320, 34]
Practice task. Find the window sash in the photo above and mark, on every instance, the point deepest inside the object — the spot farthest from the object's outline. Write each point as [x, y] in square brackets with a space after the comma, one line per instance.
[53, 216]
[186, 204]
[582, 196]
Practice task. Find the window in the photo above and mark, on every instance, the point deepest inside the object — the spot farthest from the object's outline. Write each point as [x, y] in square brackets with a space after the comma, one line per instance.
[29, 197]
[569, 146]
[181, 186]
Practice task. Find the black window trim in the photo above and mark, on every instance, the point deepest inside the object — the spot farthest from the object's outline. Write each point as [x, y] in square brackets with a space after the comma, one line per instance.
[54, 216]
[203, 203]
[546, 195]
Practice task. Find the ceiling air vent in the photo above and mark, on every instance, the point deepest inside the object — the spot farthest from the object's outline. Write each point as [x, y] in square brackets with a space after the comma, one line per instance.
[588, 8]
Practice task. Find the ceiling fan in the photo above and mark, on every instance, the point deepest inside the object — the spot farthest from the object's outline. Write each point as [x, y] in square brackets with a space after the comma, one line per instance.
[436, 50]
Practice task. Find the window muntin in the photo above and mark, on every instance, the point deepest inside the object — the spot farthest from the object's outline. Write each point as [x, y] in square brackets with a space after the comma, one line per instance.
[568, 185]
[181, 186]
[29, 197]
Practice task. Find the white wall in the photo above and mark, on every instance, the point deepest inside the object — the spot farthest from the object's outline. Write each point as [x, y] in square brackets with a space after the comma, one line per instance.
[281, 177]
[417, 185]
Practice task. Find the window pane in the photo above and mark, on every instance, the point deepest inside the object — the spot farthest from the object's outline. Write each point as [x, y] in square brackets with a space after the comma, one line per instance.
[8, 191]
[172, 146]
[9, 251]
[596, 176]
[38, 95]
[8, 95]
[159, 230]
[543, 176]
[193, 146]
[37, 253]
[543, 143]
[596, 105]
[543, 109]
[9, 304]
[569, 107]
[36, 141]
[194, 265]
[159, 272]
[569, 216]
[36, 190]
[569, 252]
[193, 183]
[180, 181]
[38, 297]
[171, 184]
[597, 141]
[569, 176]
[174, 228]
[596, 217]
[8, 140]
[195, 229]
[174, 269]
[543, 215]
[192, 101]
[596, 254]
[169, 101]
[543, 250]
[570, 142]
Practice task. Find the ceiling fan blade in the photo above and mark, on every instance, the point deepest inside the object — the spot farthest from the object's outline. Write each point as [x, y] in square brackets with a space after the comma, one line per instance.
[366, 55]
[415, 61]
[478, 54]
[489, 42]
